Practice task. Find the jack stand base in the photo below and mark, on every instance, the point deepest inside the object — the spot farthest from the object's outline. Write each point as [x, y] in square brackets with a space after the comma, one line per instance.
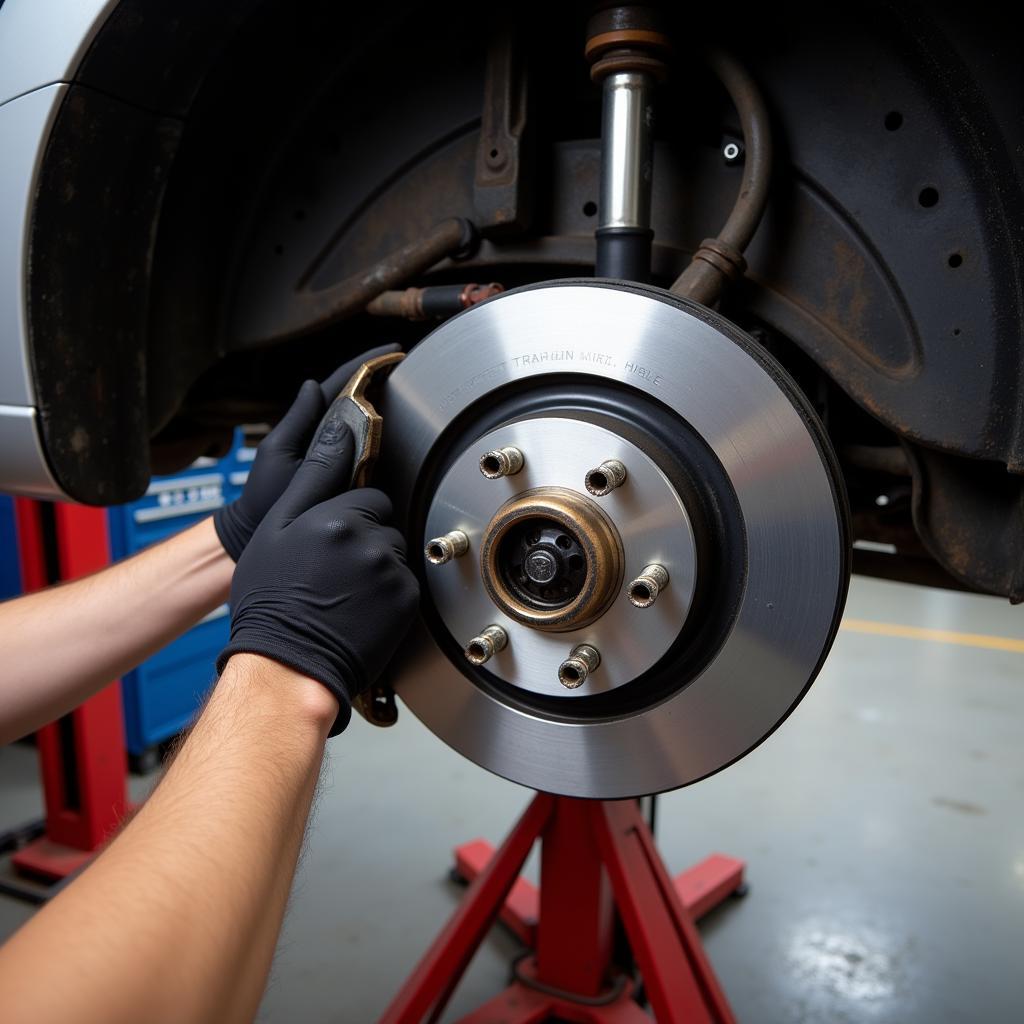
[599, 865]
[34, 868]
[524, 1003]
[50, 861]
[701, 887]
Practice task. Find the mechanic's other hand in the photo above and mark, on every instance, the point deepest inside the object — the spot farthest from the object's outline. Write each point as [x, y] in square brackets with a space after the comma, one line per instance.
[280, 454]
[322, 585]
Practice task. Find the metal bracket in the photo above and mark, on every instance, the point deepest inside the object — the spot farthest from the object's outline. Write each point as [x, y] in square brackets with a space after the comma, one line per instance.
[499, 191]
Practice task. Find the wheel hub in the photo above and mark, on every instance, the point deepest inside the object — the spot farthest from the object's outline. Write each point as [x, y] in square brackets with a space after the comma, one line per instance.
[616, 537]
[551, 559]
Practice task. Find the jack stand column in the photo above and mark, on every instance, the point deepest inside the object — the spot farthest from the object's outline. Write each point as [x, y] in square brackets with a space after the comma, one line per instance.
[82, 755]
[597, 858]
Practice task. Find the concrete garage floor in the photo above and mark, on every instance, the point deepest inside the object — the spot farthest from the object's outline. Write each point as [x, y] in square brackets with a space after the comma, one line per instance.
[883, 825]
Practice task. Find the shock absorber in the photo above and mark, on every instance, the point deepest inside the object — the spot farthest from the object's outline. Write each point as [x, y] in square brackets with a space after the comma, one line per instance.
[626, 47]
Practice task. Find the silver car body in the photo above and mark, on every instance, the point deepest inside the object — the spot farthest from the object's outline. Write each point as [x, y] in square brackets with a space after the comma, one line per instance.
[41, 44]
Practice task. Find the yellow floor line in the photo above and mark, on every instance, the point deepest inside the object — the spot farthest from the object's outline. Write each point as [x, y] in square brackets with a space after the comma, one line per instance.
[941, 636]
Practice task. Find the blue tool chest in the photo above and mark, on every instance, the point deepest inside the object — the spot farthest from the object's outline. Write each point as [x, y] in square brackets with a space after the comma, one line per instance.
[10, 574]
[162, 695]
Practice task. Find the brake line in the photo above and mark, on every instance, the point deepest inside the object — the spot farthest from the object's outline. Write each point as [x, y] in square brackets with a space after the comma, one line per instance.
[720, 260]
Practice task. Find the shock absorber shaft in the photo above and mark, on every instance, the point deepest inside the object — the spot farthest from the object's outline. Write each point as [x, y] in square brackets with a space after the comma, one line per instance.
[624, 233]
[625, 45]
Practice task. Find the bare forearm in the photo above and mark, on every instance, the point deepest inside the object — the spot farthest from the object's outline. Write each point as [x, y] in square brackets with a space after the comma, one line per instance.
[61, 645]
[178, 918]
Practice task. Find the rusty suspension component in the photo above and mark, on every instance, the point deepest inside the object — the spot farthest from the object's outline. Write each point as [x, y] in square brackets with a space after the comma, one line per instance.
[436, 302]
[503, 162]
[354, 294]
[310, 310]
[720, 260]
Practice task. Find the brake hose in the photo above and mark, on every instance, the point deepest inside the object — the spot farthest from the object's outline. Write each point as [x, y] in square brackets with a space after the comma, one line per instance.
[720, 260]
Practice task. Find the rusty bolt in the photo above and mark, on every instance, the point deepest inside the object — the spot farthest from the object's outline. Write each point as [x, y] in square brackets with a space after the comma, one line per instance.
[644, 590]
[583, 660]
[483, 647]
[501, 462]
[603, 480]
[443, 549]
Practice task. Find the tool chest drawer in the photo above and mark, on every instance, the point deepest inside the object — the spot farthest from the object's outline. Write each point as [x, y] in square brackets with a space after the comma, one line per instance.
[10, 574]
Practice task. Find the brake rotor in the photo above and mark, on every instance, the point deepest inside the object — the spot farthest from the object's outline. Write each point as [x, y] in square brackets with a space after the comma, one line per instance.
[693, 603]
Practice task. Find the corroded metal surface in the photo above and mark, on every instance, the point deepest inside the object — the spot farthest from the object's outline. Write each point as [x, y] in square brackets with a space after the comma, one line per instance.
[602, 553]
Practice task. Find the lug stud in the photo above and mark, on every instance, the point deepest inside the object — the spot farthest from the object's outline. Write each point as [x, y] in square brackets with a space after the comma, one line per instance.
[603, 480]
[573, 672]
[644, 590]
[501, 462]
[482, 648]
[443, 549]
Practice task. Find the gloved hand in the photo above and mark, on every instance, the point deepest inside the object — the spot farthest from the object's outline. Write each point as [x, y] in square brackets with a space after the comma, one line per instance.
[322, 586]
[279, 455]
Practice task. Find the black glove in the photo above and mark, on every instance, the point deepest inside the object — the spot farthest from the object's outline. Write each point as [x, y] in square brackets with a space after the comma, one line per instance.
[322, 585]
[279, 455]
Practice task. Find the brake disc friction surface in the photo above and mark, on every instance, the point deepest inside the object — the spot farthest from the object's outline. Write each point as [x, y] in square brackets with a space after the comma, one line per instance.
[704, 372]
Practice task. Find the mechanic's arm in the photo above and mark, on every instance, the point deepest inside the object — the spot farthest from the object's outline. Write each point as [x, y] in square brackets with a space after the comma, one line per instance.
[178, 918]
[61, 645]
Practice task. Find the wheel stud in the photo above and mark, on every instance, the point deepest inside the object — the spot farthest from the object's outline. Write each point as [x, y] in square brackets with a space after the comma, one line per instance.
[444, 549]
[644, 590]
[501, 462]
[573, 672]
[482, 648]
[603, 480]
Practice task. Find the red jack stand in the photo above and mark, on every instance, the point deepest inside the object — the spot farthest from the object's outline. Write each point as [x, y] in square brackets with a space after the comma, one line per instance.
[597, 857]
[82, 756]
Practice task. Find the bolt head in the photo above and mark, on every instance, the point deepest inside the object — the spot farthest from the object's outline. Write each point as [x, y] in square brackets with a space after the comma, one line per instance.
[501, 462]
[603, 480]
[483, 647]
[572, 673]
[541, 565]
[732, 152]
[644, 590]
[442, 550]
[583, 660]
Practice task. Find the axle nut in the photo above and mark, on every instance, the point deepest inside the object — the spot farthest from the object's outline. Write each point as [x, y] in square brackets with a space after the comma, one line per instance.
[603, 480]
[573, 672]
[443, 549]
[501, 462]
[482, 648]
[644, 590]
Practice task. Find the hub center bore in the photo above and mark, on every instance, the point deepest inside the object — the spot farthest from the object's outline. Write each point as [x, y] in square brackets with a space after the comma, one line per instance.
[542, 563]
[551, 559]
